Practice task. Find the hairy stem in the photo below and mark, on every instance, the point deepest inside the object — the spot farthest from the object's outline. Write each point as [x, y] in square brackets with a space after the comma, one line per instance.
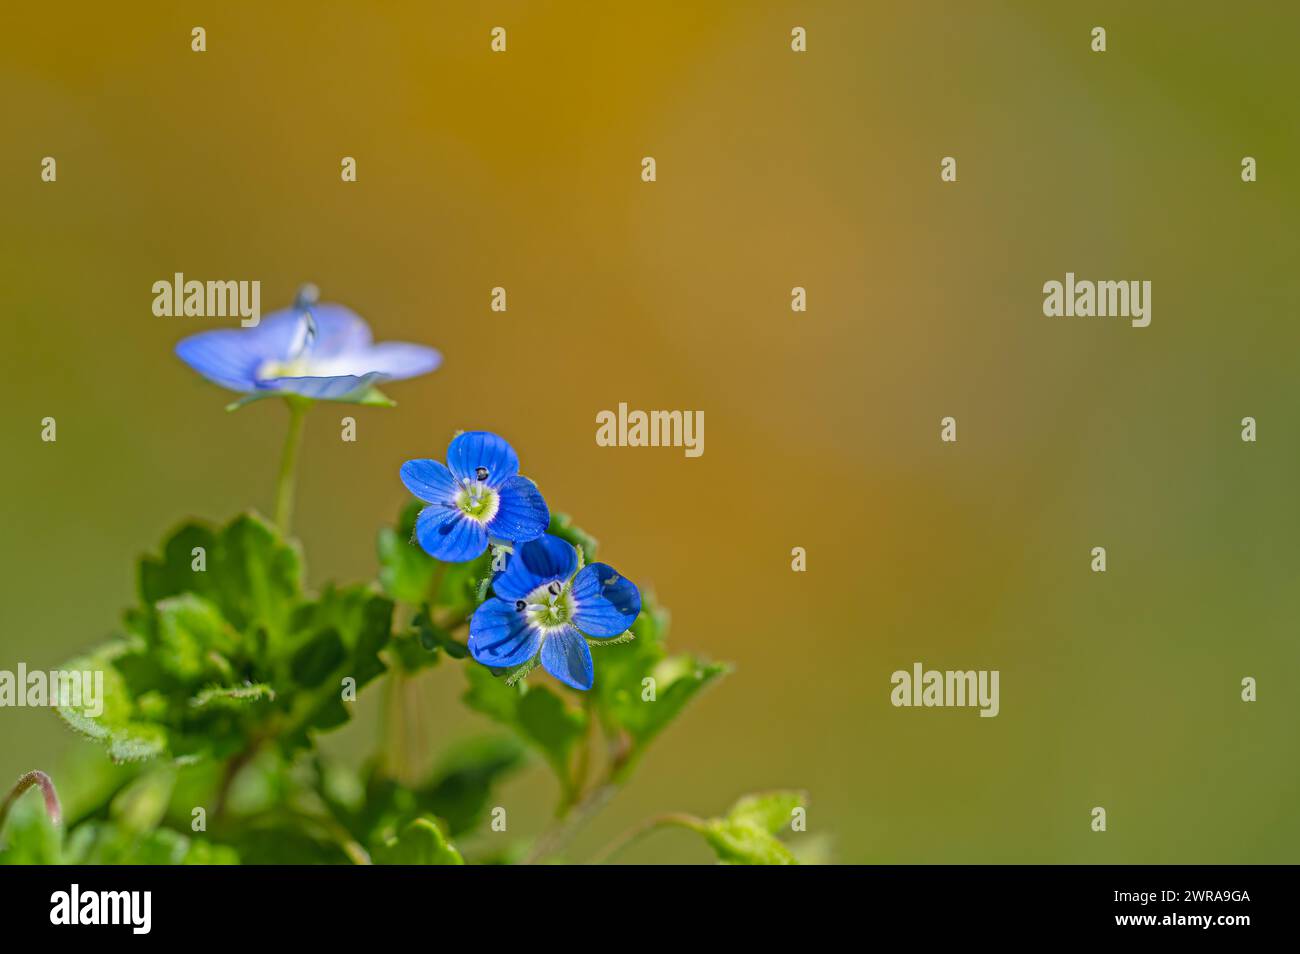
[556, 837]
[562, 830]
[637, 832]
[52, 807]
[284, 485]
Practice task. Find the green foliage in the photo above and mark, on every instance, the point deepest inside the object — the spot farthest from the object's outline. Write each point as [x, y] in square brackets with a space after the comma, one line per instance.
[539, 716]
[405, 571]
[462, 782]
[420, 843]
[226, 652]
[227, 670]
[747, 834]
[626, 702]
[409, 575]
[30, 837]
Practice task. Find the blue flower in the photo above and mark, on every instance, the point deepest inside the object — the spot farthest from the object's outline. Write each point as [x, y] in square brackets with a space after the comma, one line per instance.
[478, 495]
[543, 603]
[323, 352]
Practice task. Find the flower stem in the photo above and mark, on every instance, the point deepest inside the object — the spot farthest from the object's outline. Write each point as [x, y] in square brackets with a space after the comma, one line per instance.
[559, 834]
[574, 815]
[52, 808]
[289, 463]
[637, 832]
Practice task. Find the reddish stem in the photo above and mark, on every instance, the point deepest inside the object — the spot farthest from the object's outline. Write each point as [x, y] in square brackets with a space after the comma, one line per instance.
[52, 808]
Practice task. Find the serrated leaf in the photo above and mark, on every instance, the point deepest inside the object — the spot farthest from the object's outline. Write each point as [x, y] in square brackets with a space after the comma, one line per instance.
[535, 713]
[250, 574]
[118, 726]
[771, 811]
[679, 680]
[745, 843]
[187, 631]
[419, 843]
[335, 638]
[622, 687]
[233, 696]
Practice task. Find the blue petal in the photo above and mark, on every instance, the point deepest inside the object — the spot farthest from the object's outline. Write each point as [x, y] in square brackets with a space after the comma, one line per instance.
[429, 480]
[226, 357]
[448, 535]
[535, 564]
[231, 357]
[604, 603]
[500, 636]
[397, 360]
[338, 332]
[566, 657]
[280, 333]
[475, 449]
[522, 514]
[331, 388]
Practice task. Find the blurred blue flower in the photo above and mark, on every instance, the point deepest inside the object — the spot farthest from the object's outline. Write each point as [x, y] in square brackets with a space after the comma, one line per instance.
[543, 603]
[476, 497]
[323, 352]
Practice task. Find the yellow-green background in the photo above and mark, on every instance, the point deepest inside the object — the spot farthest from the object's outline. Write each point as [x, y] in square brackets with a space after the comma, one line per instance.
[775, 169]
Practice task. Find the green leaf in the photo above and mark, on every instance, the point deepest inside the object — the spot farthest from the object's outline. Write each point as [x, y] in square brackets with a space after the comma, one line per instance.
[248, 399]
[105, 843]
[405, 571]
[118, 726]
[233, 696]
[678, 679]
[317, 658]
[744, 843]
[188, 630]
[29, 837]
[372, 397]
[259, 576]
[420, 843]
[771, 811]
[226, 625]
[141, 805]
[425, 644]
[463, 779]
[337, 637]
[539, 716]
[747, 835]
[624, 700]
[251, 575]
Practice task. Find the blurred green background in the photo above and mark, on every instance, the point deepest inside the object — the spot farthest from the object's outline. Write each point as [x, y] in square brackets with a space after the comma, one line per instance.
[822, 430]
